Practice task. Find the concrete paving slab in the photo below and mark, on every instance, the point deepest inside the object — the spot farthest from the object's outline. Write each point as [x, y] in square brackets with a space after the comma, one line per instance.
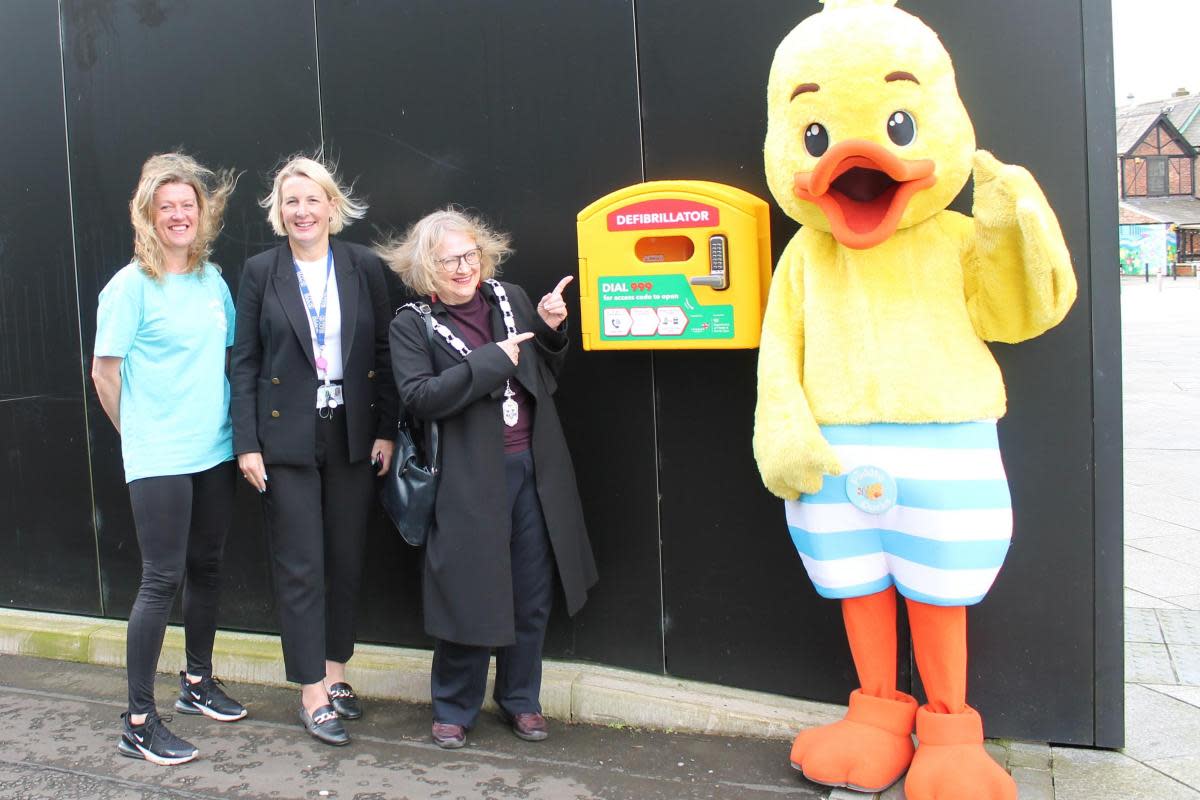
[1031, 755]
[1179, 626]
[1033, 784]
[1188, 601]
[1135, 599]
[1101, 775]
[1156, 725]
[1162, 505]
[1141, 625]
[1168, 469]
[1188, 694]
[1156, 575]
[1185, 769]
[1183, 548]
[1148, 663]
[1142, 526]
[1186, 660]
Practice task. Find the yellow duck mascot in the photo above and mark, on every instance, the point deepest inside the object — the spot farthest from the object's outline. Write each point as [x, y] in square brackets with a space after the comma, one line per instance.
[877, 397]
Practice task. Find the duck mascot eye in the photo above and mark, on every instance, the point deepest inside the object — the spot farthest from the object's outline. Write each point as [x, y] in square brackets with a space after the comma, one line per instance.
[902, 128]
[877, 395]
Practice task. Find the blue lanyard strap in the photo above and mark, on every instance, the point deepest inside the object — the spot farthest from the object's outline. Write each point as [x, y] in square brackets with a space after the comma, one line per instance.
[317, 317]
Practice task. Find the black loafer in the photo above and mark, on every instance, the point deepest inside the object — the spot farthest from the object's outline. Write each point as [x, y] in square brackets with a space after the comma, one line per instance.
[325, 726]
[344, 701]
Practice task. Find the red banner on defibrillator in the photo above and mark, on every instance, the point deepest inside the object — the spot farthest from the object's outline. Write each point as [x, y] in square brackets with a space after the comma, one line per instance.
[663, 214]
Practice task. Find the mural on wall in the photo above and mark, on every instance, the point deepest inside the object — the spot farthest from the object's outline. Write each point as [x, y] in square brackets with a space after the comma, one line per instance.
[1148, 247]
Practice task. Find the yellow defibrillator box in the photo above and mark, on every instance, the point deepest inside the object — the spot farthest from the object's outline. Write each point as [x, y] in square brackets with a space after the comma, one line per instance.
[674, 265]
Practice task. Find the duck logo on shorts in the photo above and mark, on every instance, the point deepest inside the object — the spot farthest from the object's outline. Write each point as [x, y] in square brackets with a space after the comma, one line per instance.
[871, 489]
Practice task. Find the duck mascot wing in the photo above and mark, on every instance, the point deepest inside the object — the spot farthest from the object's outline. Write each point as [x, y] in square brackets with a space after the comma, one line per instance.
[877, 395]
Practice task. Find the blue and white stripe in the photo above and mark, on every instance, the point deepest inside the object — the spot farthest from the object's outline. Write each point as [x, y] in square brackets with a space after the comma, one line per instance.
[945, 539]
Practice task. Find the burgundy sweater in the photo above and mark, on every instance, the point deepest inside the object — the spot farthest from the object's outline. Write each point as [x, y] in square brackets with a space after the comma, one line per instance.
[473, 323]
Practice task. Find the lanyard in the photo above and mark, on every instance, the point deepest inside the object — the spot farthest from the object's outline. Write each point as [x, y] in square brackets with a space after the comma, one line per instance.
[317, 317]
[509, 407]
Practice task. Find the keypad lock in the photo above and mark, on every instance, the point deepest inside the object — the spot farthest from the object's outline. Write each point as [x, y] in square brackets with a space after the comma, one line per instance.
[718, 271]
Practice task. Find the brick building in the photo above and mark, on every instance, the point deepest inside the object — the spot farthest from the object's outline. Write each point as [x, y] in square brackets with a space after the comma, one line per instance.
[1158, 150]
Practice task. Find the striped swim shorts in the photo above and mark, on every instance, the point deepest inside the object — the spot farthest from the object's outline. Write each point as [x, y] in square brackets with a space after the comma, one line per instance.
[943, 541]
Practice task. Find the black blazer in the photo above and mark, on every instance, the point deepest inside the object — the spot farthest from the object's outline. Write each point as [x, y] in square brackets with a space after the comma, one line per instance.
[273, 378]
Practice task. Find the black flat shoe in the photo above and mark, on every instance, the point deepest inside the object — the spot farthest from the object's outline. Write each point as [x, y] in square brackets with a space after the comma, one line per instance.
[325, 726]
[344, 701]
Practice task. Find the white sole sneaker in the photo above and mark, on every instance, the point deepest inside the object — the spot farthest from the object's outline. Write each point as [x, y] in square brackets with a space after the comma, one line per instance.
[132, 750]
[194, 708]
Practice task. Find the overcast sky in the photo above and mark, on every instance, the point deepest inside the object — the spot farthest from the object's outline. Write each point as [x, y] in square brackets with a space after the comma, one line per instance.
[1154, 48]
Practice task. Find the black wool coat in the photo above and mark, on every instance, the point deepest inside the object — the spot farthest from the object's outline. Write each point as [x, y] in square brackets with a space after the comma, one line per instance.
[468, 593]
[273, 378]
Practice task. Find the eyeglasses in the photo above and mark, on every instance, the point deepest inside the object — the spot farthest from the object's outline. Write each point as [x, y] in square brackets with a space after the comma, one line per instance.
[470, 258]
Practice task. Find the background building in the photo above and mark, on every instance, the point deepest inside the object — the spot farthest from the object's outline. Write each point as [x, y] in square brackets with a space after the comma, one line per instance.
[1156, 171]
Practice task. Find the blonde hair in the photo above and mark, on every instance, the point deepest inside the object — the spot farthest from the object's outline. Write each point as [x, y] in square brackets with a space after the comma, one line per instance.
[413, 256]
[346, 208]
[212, 192]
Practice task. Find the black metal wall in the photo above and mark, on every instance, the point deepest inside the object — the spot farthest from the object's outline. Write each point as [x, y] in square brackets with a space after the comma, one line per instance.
[528, 111]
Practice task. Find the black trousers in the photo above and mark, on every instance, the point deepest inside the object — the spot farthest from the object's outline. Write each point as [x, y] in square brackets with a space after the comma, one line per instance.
[181, 523]
[316, 524]
[459, 676]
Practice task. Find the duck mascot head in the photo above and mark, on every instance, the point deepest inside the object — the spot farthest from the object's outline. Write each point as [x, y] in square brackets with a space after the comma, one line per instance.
[877, 395]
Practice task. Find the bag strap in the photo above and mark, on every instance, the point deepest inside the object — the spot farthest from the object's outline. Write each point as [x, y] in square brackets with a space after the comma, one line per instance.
[426, 314]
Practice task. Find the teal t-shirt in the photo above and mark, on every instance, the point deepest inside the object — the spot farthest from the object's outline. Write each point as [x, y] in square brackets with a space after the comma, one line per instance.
[172, 336]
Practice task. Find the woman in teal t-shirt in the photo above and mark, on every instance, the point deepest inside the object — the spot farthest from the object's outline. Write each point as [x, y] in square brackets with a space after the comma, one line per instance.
[162, 329]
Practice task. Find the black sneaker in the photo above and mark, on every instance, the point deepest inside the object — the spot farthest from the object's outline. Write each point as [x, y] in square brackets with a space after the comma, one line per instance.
[207, 698]
[154, 742]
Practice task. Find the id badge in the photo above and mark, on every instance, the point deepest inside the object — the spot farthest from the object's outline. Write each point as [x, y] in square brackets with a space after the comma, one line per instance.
[329, 395]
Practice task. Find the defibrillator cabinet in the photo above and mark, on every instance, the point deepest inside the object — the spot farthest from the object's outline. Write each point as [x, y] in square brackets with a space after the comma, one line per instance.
[674, 265]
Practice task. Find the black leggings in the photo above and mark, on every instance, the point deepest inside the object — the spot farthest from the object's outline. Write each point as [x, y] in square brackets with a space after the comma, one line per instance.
[181, 524]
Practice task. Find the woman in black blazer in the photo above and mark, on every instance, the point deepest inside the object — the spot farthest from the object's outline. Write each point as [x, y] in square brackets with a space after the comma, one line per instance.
[314, 416]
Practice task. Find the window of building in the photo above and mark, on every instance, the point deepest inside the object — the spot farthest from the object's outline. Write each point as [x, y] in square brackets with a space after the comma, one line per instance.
[1156, 175]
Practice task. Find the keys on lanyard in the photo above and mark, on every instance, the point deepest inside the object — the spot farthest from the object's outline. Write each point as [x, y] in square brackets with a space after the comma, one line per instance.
[328, 395]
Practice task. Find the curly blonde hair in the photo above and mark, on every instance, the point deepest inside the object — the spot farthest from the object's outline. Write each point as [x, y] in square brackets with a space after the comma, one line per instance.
[413, 256]
[346, 208]
[212, 192]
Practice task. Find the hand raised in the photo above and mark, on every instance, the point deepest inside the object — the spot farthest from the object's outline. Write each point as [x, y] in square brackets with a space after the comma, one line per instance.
[512, 345]
[552, 308]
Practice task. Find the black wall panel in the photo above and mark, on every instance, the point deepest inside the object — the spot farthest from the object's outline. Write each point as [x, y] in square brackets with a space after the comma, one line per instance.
[45, 498]
[528, 111]
[150, 77]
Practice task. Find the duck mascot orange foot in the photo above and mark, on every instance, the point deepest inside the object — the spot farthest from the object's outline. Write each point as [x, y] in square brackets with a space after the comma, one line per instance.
[877, 395]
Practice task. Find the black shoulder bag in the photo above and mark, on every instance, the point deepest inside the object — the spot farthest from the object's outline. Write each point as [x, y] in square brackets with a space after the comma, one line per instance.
[410, 487]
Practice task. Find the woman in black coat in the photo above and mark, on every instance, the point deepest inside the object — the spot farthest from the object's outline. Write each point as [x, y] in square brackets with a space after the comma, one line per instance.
[314, 418]
[507, 516]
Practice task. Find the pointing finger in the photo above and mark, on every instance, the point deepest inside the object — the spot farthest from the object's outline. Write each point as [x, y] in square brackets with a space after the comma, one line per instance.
[563, 284]
[520, 337]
